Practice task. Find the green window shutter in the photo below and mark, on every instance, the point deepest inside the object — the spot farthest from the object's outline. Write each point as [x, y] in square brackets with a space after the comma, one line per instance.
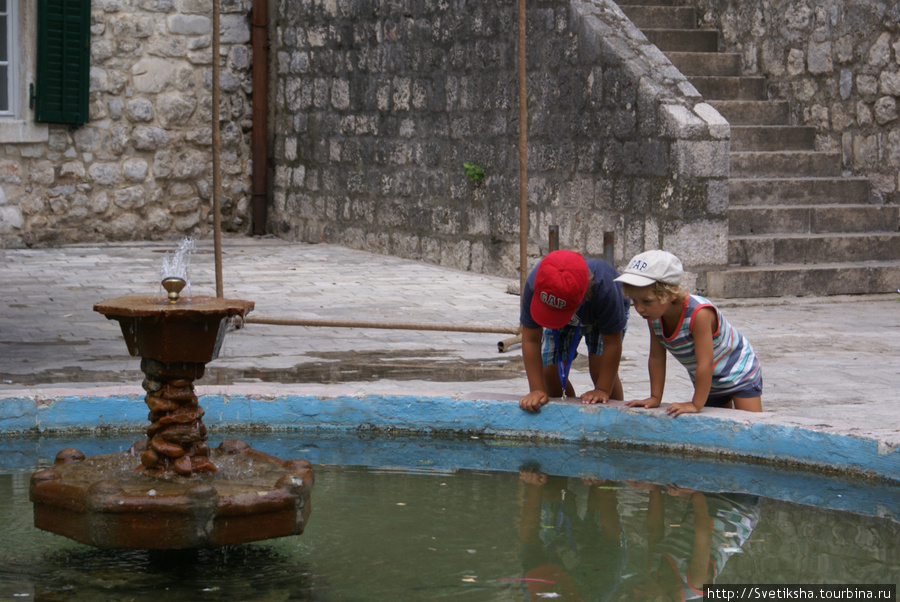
[63, 61]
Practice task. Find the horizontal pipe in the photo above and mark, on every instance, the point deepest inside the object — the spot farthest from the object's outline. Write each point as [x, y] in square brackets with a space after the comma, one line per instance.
[382, 325]
[507, 344]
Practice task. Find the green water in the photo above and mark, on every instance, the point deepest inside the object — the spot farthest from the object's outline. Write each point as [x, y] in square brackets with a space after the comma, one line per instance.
[389, 534]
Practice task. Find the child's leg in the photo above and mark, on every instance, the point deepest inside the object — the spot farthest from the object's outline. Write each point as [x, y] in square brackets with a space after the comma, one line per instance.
[551, 383]
[749, 398]
[618, 393]
[549, 356]
[748, 404]
[594, 343]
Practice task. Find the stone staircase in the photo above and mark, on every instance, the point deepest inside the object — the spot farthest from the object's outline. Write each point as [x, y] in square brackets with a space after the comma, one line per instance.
[796, 226]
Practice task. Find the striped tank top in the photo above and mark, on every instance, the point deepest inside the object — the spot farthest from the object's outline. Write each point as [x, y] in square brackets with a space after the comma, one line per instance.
[735, 364]
[733, 517]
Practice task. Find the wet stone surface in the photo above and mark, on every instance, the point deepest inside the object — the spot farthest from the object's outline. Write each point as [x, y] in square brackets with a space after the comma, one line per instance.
[329, 367]
[824, 359]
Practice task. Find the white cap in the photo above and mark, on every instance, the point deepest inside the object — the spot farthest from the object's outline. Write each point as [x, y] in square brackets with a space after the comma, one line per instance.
[652, 266]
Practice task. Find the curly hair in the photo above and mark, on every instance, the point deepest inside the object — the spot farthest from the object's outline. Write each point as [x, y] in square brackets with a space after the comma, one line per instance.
[662, 291]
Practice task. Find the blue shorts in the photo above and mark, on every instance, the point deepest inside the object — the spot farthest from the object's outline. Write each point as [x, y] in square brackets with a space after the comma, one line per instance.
[590, 334]
[752, 389]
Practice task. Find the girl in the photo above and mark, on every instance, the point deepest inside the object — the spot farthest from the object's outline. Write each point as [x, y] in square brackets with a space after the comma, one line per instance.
[720, 361]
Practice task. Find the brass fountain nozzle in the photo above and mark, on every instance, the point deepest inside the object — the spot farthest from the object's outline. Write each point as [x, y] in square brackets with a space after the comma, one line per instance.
[173, 286]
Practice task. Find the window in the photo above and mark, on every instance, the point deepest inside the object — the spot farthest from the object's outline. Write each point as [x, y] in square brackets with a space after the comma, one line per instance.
[17, 68]
[63, 61]
[8, 60]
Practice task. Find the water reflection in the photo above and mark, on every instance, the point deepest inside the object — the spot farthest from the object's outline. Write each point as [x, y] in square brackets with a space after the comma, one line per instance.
[686, 555]
[430, 520]
[573, 540]
[574, 543]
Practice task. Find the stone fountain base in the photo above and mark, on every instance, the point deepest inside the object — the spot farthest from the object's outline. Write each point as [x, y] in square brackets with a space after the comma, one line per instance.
[107, 501]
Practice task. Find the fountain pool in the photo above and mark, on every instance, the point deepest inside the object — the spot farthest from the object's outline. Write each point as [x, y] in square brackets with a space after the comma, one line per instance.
[476, 518]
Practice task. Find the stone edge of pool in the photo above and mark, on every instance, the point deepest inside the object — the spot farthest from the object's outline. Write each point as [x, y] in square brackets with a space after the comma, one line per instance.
[739, 435]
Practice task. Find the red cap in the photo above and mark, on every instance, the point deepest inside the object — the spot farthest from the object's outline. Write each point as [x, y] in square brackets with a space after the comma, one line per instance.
[560, 284]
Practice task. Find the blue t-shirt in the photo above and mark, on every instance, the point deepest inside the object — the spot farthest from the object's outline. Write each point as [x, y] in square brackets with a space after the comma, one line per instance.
[606, 309]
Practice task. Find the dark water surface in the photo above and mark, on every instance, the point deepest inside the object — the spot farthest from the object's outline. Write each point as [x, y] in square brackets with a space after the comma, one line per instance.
[419, 518]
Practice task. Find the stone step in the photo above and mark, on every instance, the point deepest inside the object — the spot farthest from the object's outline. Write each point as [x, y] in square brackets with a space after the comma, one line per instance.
[746, 220]
[859, 278]
[788, 206]
[753, 112]
[684, 40]
[769, 164]
[661, 17]
[707, 63]
[772, 137]
[798, 191]
[646, 3]
[730, 88]
[776, 249]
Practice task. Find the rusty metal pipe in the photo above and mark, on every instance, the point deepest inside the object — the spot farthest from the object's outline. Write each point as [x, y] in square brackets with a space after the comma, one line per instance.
[216, 151]
[523, 151]
[553, 238]
[507, 344]
[259, 42]
[609, 248]
[383, 325]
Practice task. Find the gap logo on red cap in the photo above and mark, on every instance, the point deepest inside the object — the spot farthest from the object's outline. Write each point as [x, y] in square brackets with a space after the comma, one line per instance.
[552, 300]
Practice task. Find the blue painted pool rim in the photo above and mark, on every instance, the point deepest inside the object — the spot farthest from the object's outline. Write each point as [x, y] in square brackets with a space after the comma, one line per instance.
[734, 434]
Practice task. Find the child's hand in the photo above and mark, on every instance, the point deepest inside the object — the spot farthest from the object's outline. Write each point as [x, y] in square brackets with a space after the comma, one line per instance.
[650, 402]
[643, 485]
[533, 478]
[677, 409]
[595, 396]
[676, 491]
[533, 401]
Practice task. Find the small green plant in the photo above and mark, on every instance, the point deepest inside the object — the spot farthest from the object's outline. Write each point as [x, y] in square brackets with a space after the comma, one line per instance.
[474, 172]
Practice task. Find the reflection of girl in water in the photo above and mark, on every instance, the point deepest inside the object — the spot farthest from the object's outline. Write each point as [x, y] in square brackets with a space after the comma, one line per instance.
[694, 553]
[573, 541]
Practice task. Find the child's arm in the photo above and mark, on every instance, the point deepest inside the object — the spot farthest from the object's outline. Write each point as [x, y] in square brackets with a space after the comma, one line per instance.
[656, 516]
[656, 365]
[534, 370]
[702, 328]
[702, 548]
[530, 524]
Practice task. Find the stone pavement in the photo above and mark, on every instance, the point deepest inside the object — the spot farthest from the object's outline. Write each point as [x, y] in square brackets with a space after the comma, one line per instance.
[830, 364]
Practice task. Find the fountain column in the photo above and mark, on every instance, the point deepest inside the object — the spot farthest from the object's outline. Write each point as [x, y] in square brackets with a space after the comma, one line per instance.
[174, 338]
[176, 437]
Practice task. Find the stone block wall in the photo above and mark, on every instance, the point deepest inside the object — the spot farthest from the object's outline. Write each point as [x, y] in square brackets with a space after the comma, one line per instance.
[378, 104]
[141, 168]
[837, 61]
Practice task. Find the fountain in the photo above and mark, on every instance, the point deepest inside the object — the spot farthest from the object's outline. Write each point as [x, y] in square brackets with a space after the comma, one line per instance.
[172, 491]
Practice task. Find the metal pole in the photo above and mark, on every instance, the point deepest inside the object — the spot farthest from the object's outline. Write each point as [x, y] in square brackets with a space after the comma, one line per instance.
[259, 39]
[523, 154]
[216, 147]
[609, 248]
[507, 344]
[382, 325]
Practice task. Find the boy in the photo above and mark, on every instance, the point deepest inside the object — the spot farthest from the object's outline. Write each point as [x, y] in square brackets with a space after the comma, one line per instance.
[567, 296]
[720, 361]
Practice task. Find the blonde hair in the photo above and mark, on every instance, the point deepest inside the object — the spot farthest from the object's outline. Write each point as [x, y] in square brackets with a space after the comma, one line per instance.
[663, 291]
